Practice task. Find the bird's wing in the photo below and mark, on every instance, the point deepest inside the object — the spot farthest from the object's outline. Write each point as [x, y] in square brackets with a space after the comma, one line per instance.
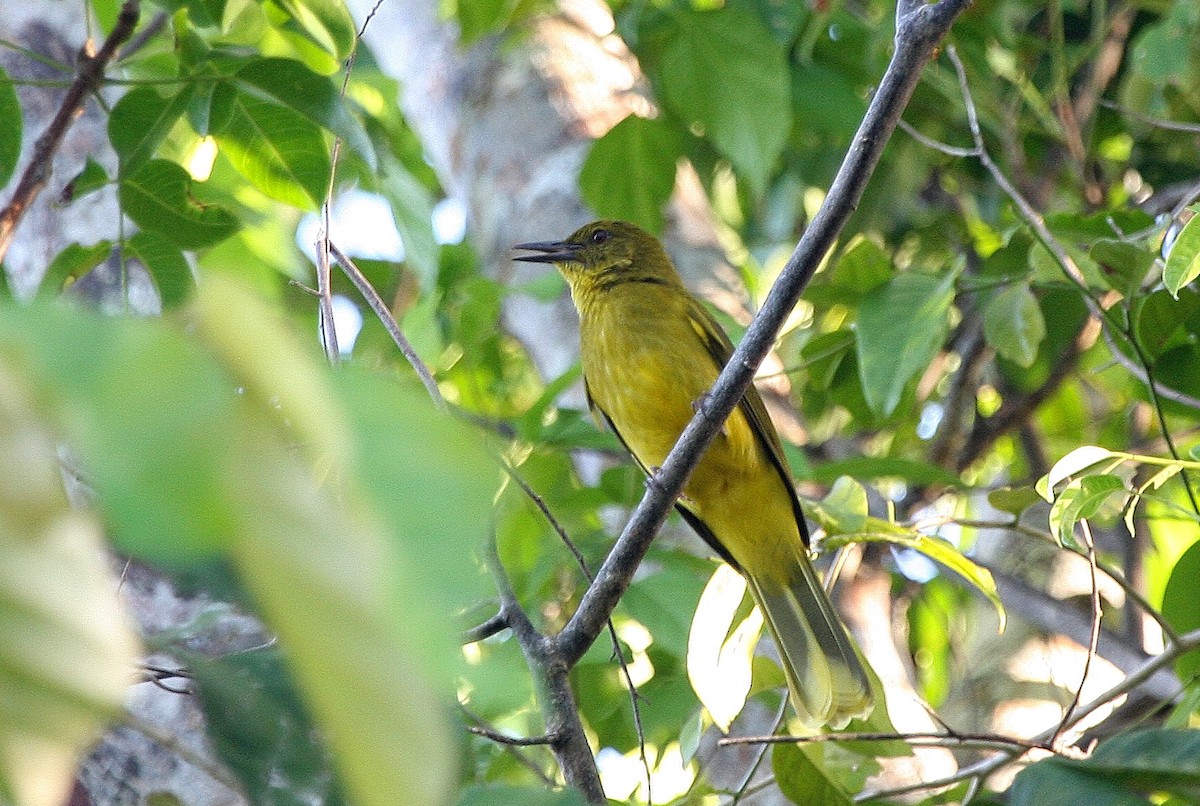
[718, 345]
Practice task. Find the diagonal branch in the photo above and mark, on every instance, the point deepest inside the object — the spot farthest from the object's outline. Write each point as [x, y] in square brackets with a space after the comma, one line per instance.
[87, 80]
[919, 29]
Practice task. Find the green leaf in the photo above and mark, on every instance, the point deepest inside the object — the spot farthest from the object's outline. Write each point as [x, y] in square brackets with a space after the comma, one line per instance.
[1082, 498]
[70, 264]
[131, 398]
[1013, 500]
[69, 651]
[1077, 461]
[1160, 319]
[629, 173]
[861, 269]
[1013, 324]
[1122, 770]
[1181, 606]
[280, 151]
[327, 22]
[1183, 263]
[847, 504]
[412, 206]
[316, 97]
[823, 355]
[900, 327]
[725, 71]
[1125, 265]
[90, 178]
[801, 779]
[140, 122]
[166, 264]
[158, 198]
[260, 729]
[11, 131]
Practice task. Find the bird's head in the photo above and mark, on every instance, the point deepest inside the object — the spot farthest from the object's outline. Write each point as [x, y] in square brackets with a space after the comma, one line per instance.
[604, 254]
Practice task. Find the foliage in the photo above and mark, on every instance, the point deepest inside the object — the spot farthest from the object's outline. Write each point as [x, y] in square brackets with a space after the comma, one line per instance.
[996, 370]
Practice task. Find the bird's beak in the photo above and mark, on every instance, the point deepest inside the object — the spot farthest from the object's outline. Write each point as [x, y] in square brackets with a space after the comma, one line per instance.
[550, 251]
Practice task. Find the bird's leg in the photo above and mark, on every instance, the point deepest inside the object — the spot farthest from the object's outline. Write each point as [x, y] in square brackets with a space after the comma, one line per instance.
[700, 405]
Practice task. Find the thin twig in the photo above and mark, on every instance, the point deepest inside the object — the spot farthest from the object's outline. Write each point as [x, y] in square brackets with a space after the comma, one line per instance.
[743, 788]
[987, 741]
[510, 748]
[496, 624]
[501, 738]
[87, 79]
[389, 322]
[1161, 123]
[326, 323]
[1093, 638]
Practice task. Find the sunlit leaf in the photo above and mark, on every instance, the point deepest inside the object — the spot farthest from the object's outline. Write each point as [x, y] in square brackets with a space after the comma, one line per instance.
[1082, 498]
[629, 173]
[1074, 462]
[158, 198]
[140, 122]
[900, 327]
[720, 651]
[1183, 264]
[328, 22]
[725, 71]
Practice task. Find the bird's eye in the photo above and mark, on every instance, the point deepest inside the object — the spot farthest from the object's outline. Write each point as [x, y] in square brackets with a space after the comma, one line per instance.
[600, 236]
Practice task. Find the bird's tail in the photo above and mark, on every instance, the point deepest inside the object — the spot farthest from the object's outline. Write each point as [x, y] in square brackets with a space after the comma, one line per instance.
[828, 683]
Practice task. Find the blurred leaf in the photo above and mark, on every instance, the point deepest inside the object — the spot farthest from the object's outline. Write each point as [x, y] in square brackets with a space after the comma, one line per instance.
[861, 269]
[913, 471]
[1183, 263]
[295, 86]
[1013, 324]
[1075, 462]
[132, 398]
[629, 173]
[1013, 500]
[12, 132]
[158, 198]
[824, 354]
[260, 730]
[68, 651]
[140, 122]
[167, 266]
[844, 509]
[1125, 264]
[719, 652]
[900, 327]
[70, 264]
[328, 22]
[1122, 770]
[801, 779]
[1181, 606]
[280, 151]
[412, 206]
[724, 70]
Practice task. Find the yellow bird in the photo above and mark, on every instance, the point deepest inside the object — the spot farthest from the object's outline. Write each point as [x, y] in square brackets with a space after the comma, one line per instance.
[650, 353]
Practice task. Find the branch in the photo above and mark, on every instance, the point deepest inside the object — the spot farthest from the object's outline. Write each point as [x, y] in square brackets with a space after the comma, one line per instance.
[919, 28]
[87, 80]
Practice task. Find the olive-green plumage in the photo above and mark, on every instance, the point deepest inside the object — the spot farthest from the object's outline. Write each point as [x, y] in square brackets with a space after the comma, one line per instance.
[650, 352]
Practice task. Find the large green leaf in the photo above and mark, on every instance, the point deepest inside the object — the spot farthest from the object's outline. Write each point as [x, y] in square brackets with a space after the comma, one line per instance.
[11, 131]
[140, 122]
[328, 22]
[1181, 606]
[166, 264]
[900, 327]
[316, 97]
[70, 264]
[725, 71]
[158, 198]
[802, 779]
[67, 652]
[629, 173]
[280, 151]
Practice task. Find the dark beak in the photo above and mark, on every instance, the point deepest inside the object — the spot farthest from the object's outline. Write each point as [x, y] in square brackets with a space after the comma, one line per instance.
[551, 251]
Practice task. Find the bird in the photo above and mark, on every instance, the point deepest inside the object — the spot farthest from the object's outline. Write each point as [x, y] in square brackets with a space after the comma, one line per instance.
[650, 352]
